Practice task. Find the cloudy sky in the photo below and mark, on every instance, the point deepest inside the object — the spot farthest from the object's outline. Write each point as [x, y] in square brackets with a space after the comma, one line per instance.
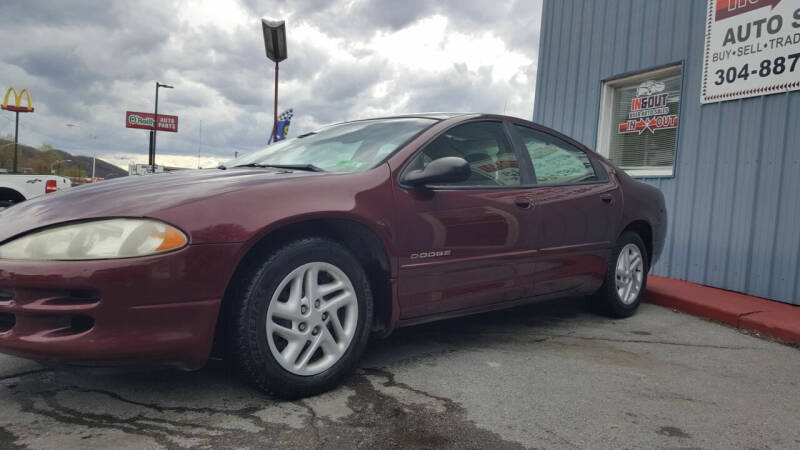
[87, 62]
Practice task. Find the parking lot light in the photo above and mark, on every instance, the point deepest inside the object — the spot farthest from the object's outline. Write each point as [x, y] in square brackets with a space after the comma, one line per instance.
[155, 127]
[275, 45]
[59, 165]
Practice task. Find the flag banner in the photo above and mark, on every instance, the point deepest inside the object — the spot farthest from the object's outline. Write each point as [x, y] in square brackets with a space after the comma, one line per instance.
[284, 119]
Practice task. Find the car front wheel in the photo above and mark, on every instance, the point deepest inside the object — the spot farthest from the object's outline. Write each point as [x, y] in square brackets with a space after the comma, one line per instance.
[301, 318]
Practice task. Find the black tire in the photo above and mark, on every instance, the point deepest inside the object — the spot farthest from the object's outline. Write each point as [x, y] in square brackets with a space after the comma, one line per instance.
[607, 300]
[10, 197]
[247, 312]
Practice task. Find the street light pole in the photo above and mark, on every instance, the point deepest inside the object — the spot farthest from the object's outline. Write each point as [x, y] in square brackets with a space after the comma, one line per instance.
[59, 165]
[275, 45]
[275, 120]
[155, 128]
[200, 144]
[94, 151]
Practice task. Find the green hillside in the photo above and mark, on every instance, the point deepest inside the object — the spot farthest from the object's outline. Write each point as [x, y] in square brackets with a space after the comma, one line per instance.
[40, 161]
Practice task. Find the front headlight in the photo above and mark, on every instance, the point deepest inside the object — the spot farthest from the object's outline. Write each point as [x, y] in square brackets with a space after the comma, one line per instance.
[99, 239]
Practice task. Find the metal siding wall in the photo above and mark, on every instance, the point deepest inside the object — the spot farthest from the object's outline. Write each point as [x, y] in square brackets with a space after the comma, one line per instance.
[599, 29]
[734, 203]
[786, 274]
[744, 193]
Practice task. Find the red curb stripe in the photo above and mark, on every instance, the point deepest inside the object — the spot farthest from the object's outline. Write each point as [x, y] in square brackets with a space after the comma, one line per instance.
[771, 318]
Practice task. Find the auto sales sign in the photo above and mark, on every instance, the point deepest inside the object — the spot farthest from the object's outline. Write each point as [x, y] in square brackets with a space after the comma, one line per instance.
[650, 110]
[752, 48]
[145, 121]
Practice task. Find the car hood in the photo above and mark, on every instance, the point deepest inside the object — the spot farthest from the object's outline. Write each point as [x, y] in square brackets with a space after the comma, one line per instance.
[136, 196]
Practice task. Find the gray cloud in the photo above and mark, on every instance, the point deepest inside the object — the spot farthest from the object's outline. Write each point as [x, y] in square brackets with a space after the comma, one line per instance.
[87, 62]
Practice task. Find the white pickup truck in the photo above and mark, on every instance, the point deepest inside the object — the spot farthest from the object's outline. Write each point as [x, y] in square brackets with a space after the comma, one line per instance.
[15, 188]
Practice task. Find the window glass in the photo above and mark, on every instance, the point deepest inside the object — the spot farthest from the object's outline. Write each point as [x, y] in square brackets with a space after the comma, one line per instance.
[346, 147]
[484, 146]
[555, 161]
[644, 122]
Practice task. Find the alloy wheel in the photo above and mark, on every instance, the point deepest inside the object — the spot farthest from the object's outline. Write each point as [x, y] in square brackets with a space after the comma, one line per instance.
[629, 273]
[312, 318]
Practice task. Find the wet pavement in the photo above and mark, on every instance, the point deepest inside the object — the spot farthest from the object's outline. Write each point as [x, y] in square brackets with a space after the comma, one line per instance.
[542, 376]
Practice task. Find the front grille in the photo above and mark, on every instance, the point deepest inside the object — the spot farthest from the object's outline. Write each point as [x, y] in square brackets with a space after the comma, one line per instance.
[7, 322]
[48, 312]
[73, 298]
[79, 324]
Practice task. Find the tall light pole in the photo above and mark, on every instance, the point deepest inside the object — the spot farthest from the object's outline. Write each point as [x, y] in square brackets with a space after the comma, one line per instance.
[59, 165]
[94, 151]
[152, 161]
[275, 44]
[200, 143]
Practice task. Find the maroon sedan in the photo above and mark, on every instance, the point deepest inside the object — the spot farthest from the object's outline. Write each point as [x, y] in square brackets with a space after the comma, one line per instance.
[293, 256]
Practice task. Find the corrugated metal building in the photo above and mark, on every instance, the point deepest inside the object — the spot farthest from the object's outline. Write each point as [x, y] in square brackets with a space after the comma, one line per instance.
[732, 182]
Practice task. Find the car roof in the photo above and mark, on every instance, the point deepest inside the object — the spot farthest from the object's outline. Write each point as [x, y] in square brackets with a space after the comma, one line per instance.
[438, 116]
[422, 115]
[433, 115]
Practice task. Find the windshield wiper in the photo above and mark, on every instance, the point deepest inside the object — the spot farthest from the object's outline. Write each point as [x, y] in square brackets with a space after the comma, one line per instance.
[306, 167]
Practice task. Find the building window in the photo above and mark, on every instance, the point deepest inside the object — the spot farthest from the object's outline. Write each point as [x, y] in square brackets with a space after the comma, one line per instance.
[639, 120]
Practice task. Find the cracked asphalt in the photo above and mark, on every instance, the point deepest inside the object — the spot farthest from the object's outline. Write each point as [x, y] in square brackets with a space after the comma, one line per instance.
[542, 376]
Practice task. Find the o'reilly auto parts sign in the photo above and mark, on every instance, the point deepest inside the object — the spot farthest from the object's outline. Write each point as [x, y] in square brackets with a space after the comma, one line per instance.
[752, 48]
[145, 121]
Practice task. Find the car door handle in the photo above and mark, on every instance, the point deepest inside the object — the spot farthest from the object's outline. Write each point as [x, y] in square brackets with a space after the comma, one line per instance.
[607, 198]
[524, 202]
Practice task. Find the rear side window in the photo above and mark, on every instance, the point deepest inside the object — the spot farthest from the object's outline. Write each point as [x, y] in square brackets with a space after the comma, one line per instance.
[555, 161]
[484, 146]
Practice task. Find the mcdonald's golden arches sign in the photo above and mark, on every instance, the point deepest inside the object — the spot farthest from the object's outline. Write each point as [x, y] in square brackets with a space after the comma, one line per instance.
[17, 97]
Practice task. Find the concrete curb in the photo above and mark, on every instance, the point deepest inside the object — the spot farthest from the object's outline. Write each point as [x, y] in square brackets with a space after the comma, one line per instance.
[771, 318]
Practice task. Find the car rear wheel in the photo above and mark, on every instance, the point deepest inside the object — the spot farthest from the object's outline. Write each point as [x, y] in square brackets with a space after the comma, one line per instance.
[301, 318]
[626, 278]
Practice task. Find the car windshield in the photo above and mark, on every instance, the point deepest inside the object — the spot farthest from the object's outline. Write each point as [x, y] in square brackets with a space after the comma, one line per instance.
[346, 147]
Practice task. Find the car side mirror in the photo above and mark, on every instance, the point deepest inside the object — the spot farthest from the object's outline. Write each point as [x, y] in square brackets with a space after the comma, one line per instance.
[450, 169]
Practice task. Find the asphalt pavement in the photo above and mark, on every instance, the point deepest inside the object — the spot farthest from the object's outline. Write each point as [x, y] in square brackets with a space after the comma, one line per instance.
[542, 376]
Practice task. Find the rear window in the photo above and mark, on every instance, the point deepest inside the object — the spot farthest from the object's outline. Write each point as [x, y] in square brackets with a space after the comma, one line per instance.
[555, 161]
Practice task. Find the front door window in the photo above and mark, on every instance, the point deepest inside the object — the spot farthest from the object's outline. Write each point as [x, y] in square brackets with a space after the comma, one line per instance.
[484, 146]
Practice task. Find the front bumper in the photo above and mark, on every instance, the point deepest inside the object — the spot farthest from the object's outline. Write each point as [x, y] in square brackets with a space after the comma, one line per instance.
[151, 310]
